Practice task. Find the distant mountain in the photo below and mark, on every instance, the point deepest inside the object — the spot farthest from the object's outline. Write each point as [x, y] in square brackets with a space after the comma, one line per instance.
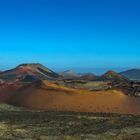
[70, 74]
[111, 75]
[133, 74]
[29, 72]
[88, 77]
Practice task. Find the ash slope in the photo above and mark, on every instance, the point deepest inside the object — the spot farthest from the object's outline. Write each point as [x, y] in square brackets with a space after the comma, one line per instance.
[49, 96]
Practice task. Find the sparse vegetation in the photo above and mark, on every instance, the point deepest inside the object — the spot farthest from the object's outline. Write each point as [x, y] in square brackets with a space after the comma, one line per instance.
[39, 125]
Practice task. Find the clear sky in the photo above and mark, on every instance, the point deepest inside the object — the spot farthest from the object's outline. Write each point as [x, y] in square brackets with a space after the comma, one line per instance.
[63, 34]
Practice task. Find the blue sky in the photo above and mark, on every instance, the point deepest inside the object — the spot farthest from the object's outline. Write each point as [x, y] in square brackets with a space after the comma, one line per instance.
[70, 34]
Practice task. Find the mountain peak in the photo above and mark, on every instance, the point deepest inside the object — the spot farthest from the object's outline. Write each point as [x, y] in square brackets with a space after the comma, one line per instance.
[112, 75]
[34, 70]
[69, 74]
[69, 71]
[110, 72]
[29, 64]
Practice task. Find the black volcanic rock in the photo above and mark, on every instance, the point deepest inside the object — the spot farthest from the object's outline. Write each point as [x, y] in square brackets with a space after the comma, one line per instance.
[133, 74]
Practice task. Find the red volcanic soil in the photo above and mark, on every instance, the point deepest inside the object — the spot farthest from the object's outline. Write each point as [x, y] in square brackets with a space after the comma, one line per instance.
[7, 89]
[52, 97]
[112, 74]
[19, 71]
[35, 70]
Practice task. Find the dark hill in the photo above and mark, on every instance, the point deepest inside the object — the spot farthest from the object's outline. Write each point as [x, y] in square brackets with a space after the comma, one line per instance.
[133, 74]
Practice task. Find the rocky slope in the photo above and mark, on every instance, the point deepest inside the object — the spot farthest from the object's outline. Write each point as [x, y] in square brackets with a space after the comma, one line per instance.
[28, 72]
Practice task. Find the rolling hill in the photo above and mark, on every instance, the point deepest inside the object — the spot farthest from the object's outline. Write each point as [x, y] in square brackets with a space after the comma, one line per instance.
[45, 95]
